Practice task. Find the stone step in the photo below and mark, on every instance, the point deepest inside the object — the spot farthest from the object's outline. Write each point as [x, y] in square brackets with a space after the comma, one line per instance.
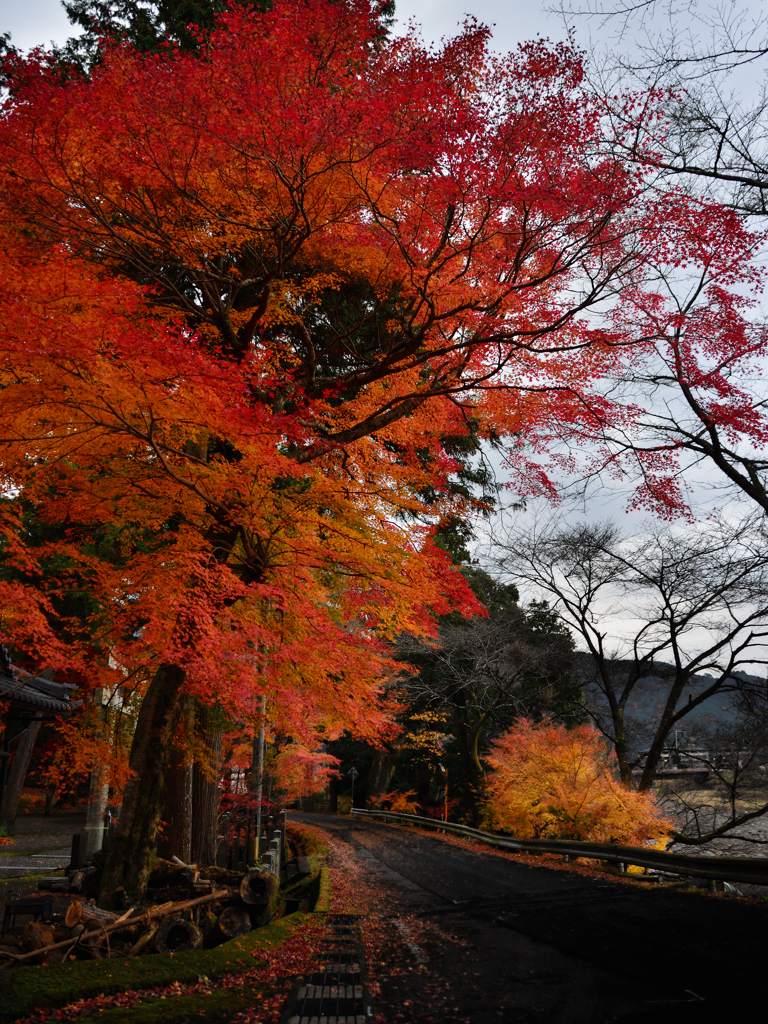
[336, 993]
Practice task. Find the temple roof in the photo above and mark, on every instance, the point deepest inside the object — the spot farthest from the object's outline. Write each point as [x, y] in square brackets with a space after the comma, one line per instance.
[22, 690]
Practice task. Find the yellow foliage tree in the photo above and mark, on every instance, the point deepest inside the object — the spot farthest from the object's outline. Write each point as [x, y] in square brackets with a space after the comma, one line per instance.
[556, 783]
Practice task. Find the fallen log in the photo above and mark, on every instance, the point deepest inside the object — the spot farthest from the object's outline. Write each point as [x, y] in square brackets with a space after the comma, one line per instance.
[92, 951]
[175, 935]
[79, 912]
[74, 914]
[234, 921]
[53, 885]
[174, 874]
[76, 881]
[191, 871]
[143, 940]
[259, 889]
[36, 936]
[126, 921]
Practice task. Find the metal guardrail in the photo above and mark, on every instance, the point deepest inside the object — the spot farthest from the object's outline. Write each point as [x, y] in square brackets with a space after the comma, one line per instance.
[748, 870]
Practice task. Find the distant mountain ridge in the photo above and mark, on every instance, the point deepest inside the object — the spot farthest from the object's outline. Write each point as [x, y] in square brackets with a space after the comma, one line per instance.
[649, 695]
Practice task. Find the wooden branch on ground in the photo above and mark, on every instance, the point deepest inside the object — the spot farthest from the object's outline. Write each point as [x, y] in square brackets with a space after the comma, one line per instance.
[125, 922]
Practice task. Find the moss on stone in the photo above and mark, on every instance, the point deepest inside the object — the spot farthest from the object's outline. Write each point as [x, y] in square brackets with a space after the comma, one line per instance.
[322, 901]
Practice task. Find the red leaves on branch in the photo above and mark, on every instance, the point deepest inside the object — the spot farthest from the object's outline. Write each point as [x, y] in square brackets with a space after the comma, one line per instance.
[247, 293]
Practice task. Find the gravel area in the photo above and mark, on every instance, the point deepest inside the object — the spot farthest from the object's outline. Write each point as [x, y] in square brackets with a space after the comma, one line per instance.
[733, 844]
[730, 845]
[40, 844]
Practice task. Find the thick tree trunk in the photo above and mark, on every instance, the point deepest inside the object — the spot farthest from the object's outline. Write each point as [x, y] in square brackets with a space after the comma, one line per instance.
[468, 751]
[205, 790]
[130, 855]
[174, 839]
[18, 773]
[380, 775]
[176, 815]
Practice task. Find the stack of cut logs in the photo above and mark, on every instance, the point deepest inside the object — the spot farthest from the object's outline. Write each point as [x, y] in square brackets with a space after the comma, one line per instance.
[218, 908]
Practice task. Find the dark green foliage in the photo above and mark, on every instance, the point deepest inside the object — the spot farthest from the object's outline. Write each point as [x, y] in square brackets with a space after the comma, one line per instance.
[353, 754]
[147, 25]
[483, 675]
[68, 577]
[474, 480]
[496, 597]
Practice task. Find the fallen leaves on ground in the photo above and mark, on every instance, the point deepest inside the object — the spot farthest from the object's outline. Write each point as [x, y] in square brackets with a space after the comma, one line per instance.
[275, 972]
[401, 950]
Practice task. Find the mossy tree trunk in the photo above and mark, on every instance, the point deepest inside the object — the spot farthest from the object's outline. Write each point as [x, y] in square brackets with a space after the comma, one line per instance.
[130, 855]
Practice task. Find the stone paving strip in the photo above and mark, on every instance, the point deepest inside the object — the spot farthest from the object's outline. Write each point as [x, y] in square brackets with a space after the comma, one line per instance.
[335, 993]
[35, 863]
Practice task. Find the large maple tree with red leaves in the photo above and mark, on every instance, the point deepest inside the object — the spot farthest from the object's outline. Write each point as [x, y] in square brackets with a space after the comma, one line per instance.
[246, 293]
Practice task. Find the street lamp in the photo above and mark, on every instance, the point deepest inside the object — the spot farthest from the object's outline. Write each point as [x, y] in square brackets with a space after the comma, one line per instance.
[444, 772]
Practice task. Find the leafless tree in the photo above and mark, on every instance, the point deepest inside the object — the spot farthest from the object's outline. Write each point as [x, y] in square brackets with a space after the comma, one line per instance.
[488, 671]
[733, 756]
[699, 405]
[716, 138]
[680, 611]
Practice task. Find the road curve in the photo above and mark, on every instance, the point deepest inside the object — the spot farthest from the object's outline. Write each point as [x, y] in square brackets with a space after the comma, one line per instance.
[516, 943]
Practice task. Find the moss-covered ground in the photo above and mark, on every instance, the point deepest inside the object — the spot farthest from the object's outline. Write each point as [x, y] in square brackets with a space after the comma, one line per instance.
[54, 985]
[27, 989]
[217, 1007]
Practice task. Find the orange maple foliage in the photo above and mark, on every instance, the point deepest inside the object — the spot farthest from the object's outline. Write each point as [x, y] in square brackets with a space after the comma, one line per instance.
[549, 782]
[299, 772]
[246, 294]
[402, 803]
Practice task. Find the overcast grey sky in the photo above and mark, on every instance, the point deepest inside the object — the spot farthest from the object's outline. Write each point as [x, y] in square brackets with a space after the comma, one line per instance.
[32, 22]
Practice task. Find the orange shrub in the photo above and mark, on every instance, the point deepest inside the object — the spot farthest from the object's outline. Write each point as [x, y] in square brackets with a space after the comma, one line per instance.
[402, 803]
[556, 783]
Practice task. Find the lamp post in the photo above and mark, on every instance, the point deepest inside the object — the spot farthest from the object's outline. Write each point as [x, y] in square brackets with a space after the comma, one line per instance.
[444, 773]
[353, 773]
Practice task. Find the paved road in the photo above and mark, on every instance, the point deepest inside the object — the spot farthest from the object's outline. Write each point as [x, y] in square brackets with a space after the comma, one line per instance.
[531, 944]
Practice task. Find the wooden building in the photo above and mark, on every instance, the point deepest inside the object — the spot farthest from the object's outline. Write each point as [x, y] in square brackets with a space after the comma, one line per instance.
[26, 701]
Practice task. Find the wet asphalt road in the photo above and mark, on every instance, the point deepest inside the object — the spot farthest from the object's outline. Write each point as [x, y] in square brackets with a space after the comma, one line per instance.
[515, 943]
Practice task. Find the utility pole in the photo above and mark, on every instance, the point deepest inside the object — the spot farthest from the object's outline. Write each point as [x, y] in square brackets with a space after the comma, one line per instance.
[444, 772]
[353, 773]
[257, 778]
